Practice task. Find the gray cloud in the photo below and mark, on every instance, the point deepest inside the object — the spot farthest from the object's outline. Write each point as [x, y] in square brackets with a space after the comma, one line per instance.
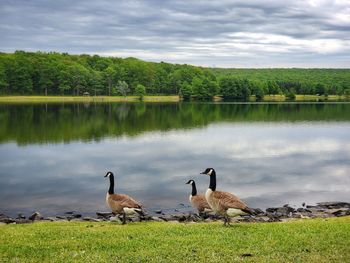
[249, 33]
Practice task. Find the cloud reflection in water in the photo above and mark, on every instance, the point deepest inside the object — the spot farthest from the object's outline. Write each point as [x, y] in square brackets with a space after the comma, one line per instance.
[266, 164]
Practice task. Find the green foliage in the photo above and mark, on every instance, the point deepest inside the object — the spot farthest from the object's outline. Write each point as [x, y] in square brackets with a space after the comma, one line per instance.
[186, 91]
[234, 88]
[200, 90]
[26, 73]
[122, 88]
[3, 81]
[140, 91]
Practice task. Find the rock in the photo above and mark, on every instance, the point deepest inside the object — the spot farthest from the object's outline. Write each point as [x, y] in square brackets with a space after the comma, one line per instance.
[341, 212]
[135, 219]
[91, 219]
[61, 217]
[180, 218]
[263, 219]
[168, 218]
[20, 216]
[6, 219]
[69, 213]
[285, 211]
[303, 210]
[115, 219]
[104, 214]
[35, 216]
[258, 211]
[52, 218]
[297, 216]
[157, 219]
[334, 205]
[314, 207]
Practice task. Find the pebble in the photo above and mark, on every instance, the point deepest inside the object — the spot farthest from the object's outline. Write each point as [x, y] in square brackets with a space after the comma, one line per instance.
[273, 214]
[35, 216]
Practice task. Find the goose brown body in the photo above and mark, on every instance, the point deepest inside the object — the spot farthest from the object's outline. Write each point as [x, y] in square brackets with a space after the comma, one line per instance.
[117, 202]
[121, 203]
[200, 203]
[224, 203]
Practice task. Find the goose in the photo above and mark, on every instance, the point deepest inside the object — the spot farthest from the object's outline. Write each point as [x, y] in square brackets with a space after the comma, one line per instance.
[198, 201]
[224, 203]
[121, 203]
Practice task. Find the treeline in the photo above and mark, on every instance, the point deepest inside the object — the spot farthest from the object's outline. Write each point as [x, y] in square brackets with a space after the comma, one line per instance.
[27, 73]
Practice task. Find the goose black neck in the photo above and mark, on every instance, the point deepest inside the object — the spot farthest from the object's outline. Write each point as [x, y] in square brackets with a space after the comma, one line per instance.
[111, 184]
[194, 189]
[212, 184]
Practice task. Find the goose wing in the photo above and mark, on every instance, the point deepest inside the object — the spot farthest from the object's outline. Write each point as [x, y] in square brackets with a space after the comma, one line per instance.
[126, 201]
[200, 202]
[227, 200]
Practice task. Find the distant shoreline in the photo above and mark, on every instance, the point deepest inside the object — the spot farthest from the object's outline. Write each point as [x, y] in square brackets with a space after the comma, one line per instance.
[158, 98]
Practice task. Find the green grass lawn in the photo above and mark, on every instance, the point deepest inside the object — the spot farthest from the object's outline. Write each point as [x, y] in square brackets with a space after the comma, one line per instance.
[317, 240]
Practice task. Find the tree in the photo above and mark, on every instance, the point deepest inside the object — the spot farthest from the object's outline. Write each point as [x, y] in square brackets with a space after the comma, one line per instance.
[3, 80]
[46, 77]
[200, 88]
[110, 73]
[122, 87]
[185, 91]
[140, 91]
[95, 82]
[234, 88]
[273, 88]
[320, 89]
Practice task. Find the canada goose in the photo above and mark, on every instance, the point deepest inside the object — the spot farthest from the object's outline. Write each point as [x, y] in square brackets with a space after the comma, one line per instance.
[121, 203]
[224, 203]
[198, 201]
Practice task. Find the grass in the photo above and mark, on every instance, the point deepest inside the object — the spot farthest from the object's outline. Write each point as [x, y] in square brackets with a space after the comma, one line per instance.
[167, 98]
[35, 99]
[278, 98]
[316, 240]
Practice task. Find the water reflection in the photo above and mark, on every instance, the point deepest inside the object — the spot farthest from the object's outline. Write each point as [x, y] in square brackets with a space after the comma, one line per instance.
[56, 123]
[267, 164]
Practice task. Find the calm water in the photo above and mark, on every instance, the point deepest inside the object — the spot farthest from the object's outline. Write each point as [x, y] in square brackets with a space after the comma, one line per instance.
[53, 157]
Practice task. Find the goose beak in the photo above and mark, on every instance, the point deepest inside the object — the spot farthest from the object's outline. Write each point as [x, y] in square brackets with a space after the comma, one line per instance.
[202, 172]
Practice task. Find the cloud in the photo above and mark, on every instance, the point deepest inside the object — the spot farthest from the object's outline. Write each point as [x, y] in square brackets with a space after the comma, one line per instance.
[222, 33]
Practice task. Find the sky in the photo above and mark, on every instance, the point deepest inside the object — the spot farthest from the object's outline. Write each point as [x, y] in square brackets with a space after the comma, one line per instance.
[225, 33]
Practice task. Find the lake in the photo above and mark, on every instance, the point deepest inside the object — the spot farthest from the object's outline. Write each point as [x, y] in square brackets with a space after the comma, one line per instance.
[53, 156]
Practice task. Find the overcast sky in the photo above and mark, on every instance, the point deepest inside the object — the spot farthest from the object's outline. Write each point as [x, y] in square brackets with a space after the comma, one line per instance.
[223, 33]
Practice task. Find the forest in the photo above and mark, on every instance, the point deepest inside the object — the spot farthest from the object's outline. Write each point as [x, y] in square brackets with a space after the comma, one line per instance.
[40, 73]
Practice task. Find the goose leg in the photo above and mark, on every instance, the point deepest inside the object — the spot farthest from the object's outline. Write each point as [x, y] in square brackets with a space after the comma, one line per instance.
[124, 218]
[226, 221]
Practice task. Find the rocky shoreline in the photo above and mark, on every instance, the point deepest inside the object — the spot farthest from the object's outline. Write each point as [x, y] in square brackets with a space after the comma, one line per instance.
[273, 214]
